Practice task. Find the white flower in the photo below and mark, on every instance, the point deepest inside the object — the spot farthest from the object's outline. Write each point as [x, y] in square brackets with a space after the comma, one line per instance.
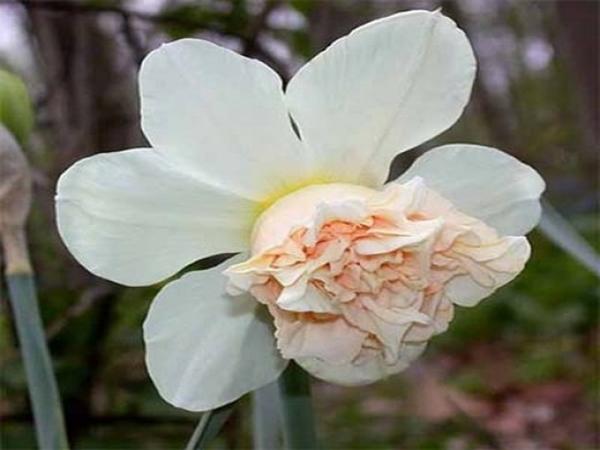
[357, 276]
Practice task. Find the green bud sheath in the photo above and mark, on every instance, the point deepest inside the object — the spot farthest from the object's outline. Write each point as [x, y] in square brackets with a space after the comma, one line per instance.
[16, 112]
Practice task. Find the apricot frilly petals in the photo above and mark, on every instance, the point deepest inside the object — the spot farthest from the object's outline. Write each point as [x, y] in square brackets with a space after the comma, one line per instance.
[362, 279]
[300, 339]
[368, 368]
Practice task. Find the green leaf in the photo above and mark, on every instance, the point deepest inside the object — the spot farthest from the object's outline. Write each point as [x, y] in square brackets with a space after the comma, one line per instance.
[303, 6]
[184, 20]
[299, 426]
[266, 417]
[564, 235]
[45, 400]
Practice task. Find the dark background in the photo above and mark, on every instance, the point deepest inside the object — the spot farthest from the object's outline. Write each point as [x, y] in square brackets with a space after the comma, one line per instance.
[518, 372]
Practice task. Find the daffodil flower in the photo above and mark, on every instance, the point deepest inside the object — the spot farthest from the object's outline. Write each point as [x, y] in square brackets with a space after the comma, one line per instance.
[337, 270]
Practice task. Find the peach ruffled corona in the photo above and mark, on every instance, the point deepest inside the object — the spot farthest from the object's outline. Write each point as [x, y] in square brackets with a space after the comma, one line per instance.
[362, 278]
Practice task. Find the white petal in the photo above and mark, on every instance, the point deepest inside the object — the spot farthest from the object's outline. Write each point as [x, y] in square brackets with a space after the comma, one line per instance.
[134, 218]
[368, 371]
[385, 88]
[204, 348]
[484, 183]
[465, 290]
[221, 114]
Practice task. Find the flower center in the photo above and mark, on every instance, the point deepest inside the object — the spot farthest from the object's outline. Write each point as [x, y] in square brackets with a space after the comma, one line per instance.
[352, 275]
[298, 208]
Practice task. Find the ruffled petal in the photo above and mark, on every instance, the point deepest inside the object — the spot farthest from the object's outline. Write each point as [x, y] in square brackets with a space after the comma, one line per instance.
[333, 340]
[370, 369]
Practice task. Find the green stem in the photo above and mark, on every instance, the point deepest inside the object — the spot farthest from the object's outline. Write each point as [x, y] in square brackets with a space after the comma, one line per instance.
[266, 417]
[299, 426]
[209, 426]
[47, 411]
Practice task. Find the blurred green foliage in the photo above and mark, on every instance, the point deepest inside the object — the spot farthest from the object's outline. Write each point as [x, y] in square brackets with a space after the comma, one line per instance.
[185, 19]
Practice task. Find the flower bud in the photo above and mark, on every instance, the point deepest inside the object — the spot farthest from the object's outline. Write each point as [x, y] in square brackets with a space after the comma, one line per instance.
[16, 113]
[15, 201]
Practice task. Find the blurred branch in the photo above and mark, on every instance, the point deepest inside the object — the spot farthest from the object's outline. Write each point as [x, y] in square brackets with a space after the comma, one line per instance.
[251, 43]
[88, 299]
[257, 26]
[137, 48]
[128, 14]
[579, 23]
[253, 47]
[92, 8]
